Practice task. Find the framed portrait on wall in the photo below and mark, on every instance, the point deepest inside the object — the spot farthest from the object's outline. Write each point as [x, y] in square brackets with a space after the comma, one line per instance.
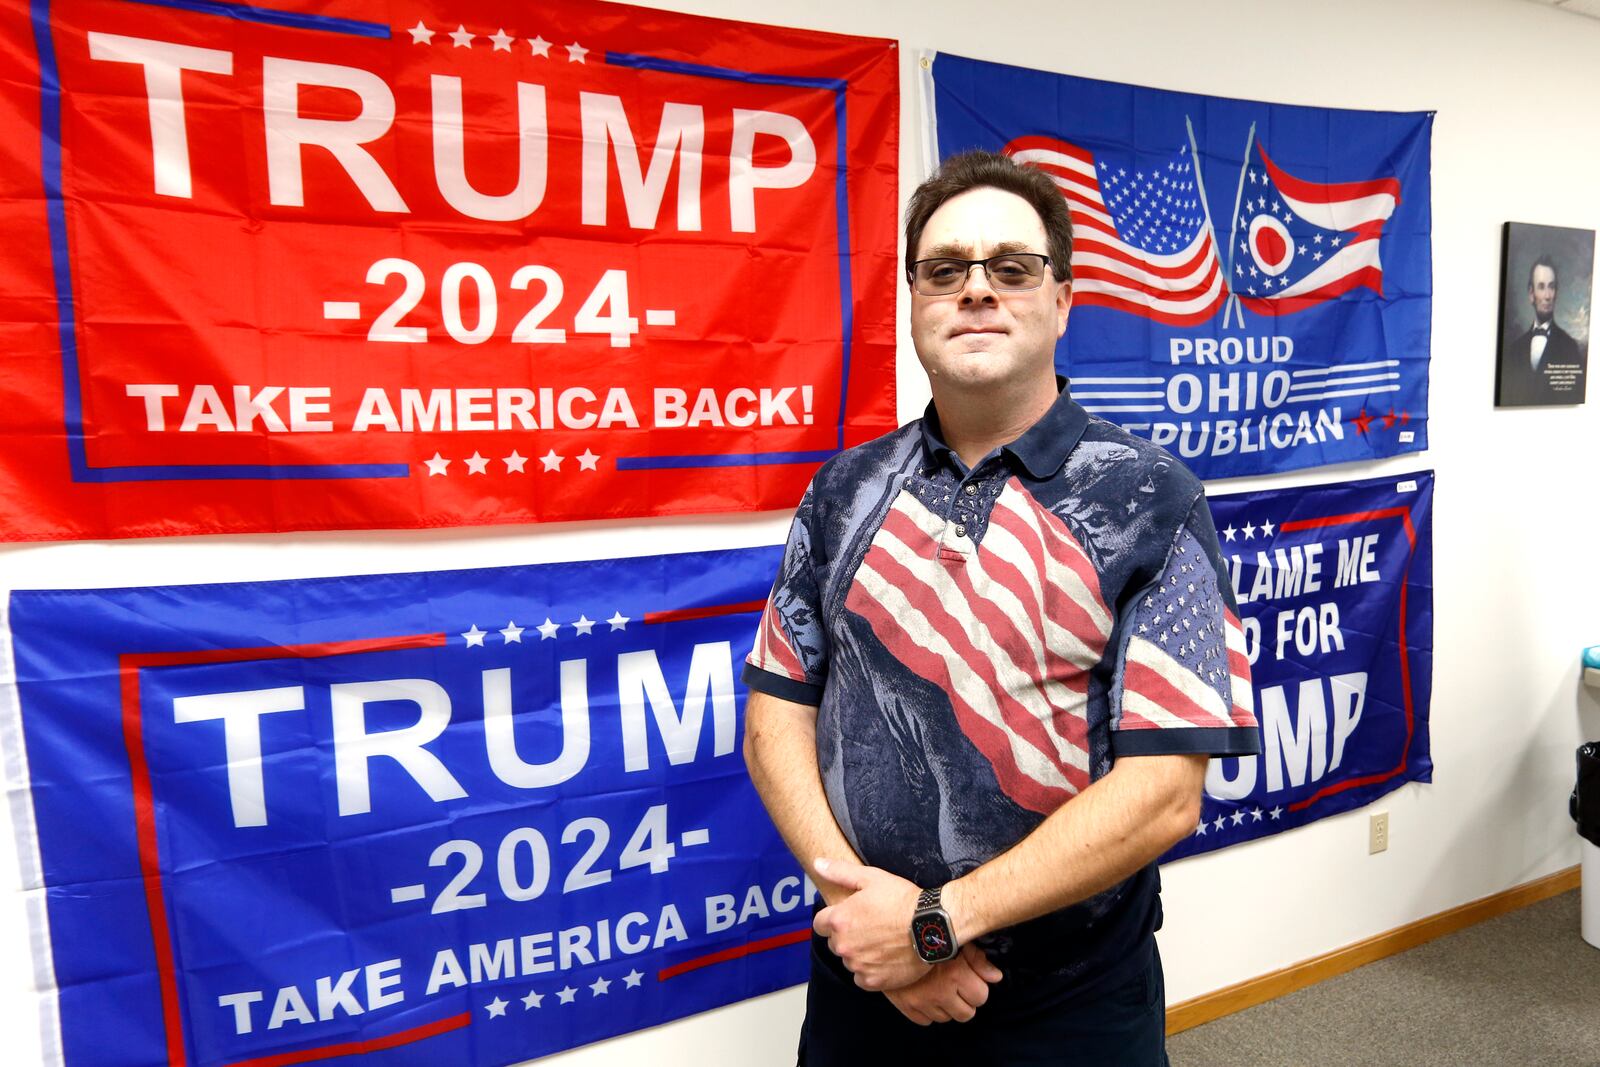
[1546, 292]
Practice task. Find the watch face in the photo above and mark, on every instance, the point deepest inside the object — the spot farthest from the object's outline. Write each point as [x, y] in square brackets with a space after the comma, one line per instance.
[932, 938]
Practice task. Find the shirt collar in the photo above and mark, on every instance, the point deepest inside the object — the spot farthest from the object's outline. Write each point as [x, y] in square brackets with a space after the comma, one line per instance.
[1042, 448]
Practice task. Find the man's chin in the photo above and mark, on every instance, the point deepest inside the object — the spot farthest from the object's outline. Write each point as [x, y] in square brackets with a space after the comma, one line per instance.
[974, 370]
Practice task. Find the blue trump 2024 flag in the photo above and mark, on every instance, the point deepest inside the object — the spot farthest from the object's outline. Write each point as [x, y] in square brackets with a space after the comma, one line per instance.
[464, 817]
[1335, 591]
[1252, 282]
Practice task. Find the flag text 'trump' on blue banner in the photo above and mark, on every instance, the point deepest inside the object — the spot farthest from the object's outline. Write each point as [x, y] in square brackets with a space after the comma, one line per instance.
[1267, 309]
[1335, 590]
[463, 817]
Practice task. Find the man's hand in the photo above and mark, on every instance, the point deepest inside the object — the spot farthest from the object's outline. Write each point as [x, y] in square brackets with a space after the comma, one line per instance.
[870, 930]
[951, 991]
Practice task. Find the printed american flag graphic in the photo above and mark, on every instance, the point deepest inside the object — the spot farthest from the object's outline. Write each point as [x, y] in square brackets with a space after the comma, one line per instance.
[773, 650]
[1186, 663]
[1141, 239]
[1009, 628]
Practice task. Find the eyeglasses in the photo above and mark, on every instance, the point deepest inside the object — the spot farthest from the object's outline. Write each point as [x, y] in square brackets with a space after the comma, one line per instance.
[1013, 272]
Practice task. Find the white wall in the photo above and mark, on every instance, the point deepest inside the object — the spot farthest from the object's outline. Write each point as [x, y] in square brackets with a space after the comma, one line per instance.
[1516, 560]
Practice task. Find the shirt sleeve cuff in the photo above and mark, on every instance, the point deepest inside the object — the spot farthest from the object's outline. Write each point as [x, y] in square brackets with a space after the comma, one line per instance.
[781, 686]
[1200, 740]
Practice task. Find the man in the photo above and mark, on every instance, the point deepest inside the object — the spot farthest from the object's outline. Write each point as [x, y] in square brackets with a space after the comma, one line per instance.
[992, 667]
[1545, 364]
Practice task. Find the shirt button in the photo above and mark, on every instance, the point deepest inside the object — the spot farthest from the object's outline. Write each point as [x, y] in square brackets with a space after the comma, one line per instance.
[961, 530]
[971, 490]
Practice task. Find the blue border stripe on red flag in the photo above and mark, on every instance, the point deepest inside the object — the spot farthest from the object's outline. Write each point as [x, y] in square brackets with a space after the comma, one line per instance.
[841, 190]
[196, 472]
[673, 66]
[747, 459]
[61, 268]
[269, 16]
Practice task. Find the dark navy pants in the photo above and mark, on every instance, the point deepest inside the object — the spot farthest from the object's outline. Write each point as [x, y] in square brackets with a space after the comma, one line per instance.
[1123, 1025]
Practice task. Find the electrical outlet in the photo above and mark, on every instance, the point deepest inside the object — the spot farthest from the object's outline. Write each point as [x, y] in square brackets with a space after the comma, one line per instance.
[1378, 833]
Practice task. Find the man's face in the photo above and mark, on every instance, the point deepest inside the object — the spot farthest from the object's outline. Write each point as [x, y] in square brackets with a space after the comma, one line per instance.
[978, 337]
[1542, 293]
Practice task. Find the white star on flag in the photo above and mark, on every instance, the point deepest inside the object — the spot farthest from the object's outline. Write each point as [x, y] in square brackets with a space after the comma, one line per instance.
[1218, 824]
[540, 46]
[497, 1008]
[1238, 817]
[576, 52]
[515, 462]
[462, 38]
[1249, 531]
[1276, 812]
[1200, 831]
[551, 461]
[547, 629]
[1255, 815]
[437, 465]
[475, 636]
[502, 40]
[600, 986]
[1267, 528]
[566, 995]
[584, 625]
[618, 621]
[532, 1000]
[631, 979]
[587, 461]
[476, 464]
[1229, 532]
[420, 34]
[513, 632]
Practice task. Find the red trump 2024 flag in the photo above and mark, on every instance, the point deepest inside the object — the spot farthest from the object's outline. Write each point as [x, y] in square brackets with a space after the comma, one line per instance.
[394, 264]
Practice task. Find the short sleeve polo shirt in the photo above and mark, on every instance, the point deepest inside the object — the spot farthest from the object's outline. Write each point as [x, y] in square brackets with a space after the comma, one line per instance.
[982, 644]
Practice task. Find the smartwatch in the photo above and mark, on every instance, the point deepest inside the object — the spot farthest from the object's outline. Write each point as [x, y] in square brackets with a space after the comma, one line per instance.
[931, 935]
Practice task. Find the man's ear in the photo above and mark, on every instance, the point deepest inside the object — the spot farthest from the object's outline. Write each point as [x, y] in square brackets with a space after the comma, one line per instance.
[1063, 306]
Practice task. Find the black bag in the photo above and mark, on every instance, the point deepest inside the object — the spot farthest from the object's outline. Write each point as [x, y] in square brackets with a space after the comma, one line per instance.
[1585, 803]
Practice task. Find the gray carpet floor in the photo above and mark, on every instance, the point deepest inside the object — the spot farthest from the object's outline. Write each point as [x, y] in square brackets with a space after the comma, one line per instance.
[1522, 989]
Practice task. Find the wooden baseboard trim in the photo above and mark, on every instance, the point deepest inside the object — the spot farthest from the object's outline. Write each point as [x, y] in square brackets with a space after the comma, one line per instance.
[1248, 994]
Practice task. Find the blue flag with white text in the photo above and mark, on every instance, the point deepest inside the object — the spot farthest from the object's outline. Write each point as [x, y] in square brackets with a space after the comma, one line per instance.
[1252, 282]
[1335, 591]
[466, 817]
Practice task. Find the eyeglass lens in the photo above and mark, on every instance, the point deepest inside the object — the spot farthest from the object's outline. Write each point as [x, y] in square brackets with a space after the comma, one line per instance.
[1012, 272]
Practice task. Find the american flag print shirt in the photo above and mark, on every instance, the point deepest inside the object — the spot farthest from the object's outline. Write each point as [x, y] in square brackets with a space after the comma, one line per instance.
[981, 644]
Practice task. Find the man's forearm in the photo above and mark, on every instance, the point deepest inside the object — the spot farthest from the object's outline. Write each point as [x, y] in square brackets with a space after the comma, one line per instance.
[780, 750]
[1136, 812]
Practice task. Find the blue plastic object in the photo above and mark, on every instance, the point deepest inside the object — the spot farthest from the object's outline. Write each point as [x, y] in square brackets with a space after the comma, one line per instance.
[1591, 666]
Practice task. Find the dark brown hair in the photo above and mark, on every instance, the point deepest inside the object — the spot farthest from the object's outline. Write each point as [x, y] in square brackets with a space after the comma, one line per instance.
[972, 170]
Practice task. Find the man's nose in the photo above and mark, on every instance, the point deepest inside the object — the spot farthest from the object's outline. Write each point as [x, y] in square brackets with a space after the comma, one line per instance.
[976, 289]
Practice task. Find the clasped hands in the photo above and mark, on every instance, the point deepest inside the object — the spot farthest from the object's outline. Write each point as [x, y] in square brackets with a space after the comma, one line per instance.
[870, 930]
